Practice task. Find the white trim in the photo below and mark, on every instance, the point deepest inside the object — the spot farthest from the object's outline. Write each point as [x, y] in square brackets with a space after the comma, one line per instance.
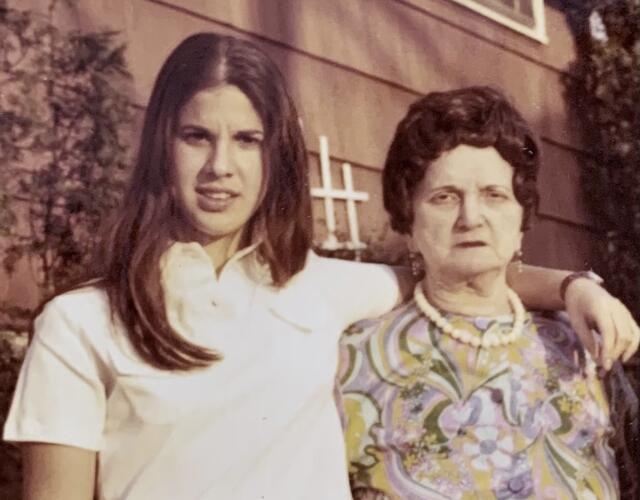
[538, 32]
[329, 194]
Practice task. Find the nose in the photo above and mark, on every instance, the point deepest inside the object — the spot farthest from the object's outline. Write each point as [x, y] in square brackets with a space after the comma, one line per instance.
[470, 215]
[219, 159]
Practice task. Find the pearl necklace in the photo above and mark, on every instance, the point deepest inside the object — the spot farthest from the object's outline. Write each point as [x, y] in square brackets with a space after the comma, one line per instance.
[488, 340]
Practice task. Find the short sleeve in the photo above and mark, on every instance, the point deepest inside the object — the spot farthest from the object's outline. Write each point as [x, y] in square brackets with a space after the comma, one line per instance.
[363, 290]
[60, 397]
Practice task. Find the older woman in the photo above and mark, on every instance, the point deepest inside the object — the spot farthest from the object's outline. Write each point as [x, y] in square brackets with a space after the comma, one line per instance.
[461, 393]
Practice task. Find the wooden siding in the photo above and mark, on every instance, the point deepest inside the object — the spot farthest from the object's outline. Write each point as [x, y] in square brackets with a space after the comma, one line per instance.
[354, 66]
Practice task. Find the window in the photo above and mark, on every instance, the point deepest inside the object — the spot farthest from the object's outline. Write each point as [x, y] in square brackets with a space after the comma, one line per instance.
[523, 16]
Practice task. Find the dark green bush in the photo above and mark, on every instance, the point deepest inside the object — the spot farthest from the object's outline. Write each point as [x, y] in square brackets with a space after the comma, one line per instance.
[63, 157]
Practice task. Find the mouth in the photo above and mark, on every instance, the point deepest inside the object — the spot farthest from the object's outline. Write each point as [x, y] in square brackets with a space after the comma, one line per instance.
[471, 244]
[213, 199]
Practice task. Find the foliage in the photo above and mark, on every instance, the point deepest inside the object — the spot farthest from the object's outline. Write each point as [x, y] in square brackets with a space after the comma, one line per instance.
[11, 353]
[63, 154]
[604, 89]
[62, 147]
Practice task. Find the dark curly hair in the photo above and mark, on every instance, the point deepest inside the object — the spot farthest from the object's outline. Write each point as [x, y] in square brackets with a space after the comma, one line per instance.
[441, 121]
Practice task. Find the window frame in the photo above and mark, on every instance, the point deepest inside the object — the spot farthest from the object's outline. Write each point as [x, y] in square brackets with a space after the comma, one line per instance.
[538, 32]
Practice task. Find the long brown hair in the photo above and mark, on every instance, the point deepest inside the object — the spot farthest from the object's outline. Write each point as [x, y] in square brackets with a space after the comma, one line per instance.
[145, 225]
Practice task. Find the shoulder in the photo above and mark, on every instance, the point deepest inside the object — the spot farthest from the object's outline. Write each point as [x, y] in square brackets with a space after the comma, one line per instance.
[346, 291]
[374, 350]
[83, 300]
[80, 305]
[381, 328]
[359, 289]
[558, 339]
[346, 270]
[554, 329]
[82, 314]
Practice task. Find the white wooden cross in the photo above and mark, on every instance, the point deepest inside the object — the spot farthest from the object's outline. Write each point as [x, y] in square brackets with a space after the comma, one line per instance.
[328, 193]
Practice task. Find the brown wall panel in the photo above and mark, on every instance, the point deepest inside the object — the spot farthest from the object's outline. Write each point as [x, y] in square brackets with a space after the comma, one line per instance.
[318, 27]
[559, 185]
[407, 45]
[356, 112]
[354, 67]
[555, 244]
[556, 54]
[415, 48]
[385, 40]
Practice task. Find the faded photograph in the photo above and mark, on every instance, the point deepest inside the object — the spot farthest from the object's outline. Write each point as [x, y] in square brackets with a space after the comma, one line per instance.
[316, 249]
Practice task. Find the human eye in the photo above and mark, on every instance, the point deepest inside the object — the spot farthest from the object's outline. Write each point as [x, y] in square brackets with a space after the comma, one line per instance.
[249, 139]
[497, 194]
[444, 198]
[194, 135]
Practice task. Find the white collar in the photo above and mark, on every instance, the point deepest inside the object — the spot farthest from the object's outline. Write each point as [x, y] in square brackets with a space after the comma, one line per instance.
[189, 282]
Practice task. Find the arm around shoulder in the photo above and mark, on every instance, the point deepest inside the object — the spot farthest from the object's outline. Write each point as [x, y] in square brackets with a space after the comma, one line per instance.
[538, 287]
[371, 289]
[590, 307]
[58, 472]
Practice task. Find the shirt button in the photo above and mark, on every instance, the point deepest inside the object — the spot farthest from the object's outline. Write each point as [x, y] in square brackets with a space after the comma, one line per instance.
[515, 484]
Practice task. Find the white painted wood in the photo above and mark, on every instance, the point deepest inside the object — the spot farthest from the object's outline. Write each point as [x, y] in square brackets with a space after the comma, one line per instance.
[352, 213]
[349, 195]
[331, 243]
[538, 32]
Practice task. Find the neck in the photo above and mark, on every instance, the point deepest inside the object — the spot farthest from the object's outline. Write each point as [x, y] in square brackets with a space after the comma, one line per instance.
[481, 295]
[222, 249]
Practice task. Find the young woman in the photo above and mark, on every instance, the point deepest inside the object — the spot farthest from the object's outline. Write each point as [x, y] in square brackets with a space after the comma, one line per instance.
[201, 364]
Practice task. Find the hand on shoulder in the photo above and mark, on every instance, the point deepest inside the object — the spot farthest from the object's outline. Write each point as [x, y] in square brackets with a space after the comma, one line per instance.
[591, 307]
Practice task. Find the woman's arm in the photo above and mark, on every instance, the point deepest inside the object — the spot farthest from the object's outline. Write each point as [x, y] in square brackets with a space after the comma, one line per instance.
[590, 307]
[538, 287]
[57, 472]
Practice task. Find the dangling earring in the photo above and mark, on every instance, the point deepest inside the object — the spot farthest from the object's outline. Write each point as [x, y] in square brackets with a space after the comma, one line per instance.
[417, 265]
[517, 258]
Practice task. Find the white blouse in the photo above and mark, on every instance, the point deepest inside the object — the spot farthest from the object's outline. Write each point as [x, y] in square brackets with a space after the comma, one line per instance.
[259, 424]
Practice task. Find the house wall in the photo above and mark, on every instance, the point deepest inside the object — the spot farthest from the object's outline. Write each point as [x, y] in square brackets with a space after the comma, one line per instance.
[354, 67]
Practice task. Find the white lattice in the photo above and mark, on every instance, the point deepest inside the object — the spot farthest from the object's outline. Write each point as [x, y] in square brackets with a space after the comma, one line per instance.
[329, 194]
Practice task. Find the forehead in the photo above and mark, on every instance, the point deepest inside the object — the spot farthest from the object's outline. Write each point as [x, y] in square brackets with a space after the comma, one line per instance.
[469, 166]
[221, 104]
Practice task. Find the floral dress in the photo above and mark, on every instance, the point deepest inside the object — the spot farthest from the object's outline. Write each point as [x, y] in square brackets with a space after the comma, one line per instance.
[427, 416]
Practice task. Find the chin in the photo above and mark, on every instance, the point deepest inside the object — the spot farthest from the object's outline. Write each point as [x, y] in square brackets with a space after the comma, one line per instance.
[469, 268]
[204, 232]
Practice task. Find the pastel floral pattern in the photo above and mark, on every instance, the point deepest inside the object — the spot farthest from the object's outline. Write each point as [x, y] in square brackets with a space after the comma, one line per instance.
[429, 417]
[488, 450]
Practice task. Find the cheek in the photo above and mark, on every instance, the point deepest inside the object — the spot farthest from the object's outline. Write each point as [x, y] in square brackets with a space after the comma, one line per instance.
[509, 230]
[431, 231]
[434, 222]
[187, 163]
[179, 166]
[255, 177]
[181, 182]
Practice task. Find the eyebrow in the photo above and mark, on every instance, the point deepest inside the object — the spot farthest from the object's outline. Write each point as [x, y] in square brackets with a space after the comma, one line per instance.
[250, 131]
[446, 187]
[195, 125]
[451, 187]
